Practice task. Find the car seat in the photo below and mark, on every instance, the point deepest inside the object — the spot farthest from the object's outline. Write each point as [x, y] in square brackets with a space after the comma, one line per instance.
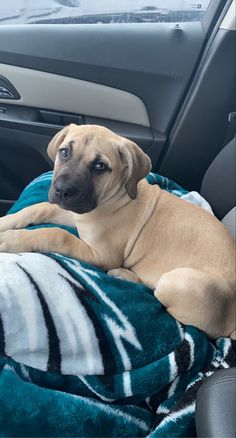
[219, 186]
[216, 398]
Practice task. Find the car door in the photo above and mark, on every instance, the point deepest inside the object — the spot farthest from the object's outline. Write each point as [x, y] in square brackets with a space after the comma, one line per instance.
[131, 67]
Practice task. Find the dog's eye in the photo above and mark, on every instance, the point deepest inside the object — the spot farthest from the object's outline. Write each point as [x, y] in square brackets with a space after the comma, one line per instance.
[99, 166]
[64, 153]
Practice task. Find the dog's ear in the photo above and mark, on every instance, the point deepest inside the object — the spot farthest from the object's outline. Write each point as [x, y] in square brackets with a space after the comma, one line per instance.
[138, 163]
[56, 141]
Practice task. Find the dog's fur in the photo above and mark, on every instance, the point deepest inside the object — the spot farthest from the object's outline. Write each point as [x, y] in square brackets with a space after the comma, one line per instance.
[131, 229]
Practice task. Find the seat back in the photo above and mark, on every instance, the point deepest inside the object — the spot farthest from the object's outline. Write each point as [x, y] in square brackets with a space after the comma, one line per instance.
[219, 186]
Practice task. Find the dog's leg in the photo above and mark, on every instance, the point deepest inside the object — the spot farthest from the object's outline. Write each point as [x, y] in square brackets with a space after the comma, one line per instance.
[37, 214]
[55, 240]
[124, 274]
[200, 299]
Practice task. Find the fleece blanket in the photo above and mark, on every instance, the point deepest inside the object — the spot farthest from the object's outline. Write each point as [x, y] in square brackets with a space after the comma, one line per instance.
[84, 354]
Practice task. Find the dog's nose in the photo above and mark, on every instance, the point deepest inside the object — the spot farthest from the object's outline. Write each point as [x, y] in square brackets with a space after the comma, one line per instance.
[65, 189]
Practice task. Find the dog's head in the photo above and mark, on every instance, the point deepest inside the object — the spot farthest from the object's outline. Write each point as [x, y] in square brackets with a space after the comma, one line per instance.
[92, 166]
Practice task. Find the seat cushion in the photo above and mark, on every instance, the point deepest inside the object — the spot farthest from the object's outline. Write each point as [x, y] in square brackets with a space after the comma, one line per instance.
[215, 407]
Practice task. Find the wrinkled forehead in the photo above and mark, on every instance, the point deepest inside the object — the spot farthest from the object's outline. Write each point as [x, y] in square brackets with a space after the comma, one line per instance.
[93, 141]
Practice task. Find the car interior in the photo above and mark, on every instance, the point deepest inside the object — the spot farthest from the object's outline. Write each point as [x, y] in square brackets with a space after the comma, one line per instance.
[168, 86]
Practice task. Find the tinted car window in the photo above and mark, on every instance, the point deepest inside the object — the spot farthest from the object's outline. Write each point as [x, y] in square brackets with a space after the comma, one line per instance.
[102, 11]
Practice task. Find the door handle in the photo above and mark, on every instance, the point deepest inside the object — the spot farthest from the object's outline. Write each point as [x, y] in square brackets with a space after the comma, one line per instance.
[7, 90]
[5, 93]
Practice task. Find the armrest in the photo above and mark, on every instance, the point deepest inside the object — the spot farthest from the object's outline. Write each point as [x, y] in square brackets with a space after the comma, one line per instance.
[216, 405]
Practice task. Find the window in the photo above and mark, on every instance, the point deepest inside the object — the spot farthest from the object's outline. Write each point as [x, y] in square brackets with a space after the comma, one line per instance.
[100, 11]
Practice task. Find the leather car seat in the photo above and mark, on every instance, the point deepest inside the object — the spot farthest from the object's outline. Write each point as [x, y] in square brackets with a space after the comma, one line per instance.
[216, 398]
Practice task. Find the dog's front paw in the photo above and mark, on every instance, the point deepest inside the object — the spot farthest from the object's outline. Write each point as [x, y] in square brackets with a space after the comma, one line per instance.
[14, 241]
[10, 222]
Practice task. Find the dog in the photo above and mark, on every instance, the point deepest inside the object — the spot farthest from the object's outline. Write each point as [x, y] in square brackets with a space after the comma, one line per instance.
[130, 228]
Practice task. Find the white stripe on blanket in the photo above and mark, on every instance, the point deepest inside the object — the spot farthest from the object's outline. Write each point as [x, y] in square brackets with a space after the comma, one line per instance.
[23, 313]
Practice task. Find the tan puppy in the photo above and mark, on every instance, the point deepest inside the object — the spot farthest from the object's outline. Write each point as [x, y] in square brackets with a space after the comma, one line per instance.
[131, 229]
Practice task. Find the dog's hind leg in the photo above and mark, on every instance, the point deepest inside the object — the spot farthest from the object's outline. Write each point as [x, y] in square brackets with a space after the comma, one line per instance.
[200, 299]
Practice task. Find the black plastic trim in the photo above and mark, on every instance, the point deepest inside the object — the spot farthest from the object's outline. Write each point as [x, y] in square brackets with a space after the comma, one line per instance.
[4, 82]
[213, 15]
[34, 120]
[200, 128]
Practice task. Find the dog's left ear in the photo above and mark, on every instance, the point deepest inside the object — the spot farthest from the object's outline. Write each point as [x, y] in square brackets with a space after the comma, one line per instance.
[56, 141]
[139, 165]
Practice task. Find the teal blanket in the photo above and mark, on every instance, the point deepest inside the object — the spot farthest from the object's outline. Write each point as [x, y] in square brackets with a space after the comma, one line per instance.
[83, 354]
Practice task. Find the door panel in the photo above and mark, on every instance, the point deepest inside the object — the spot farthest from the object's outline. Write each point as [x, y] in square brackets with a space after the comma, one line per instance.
[151, 61]
[131, 78]
[45, 90]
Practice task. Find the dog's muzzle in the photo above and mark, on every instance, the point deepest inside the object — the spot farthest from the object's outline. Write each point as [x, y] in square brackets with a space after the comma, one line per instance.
[72, 195]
